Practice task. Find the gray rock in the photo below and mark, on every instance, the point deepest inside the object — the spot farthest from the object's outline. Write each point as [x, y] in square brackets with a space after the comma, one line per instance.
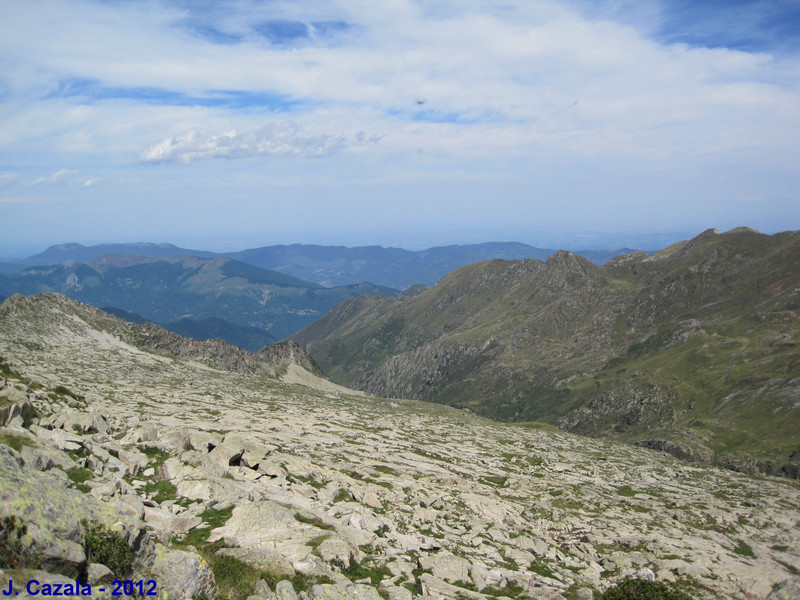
[19, 409]
[270, 526]
[433, 586]
[446, 567]
[99, 574]
[271, 469]
[284, 590]
[64, 557]
[398, 593]
[63, 440]
[353, 591]
[129, 504]
[182, 574]
[183, 524]
[334, 549]
[645, 574]
[788, 589]
[44, 458]
[227, 454]
[262, 590]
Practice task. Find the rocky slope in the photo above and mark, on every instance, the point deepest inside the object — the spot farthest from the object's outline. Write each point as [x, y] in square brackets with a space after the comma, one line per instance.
[232, 476]
[694, 349]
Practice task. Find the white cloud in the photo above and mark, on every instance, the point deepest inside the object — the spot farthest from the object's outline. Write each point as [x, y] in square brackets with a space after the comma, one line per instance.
[7, 179]
[514, 92]
[281, 139]
[518, 68]
[60, 177]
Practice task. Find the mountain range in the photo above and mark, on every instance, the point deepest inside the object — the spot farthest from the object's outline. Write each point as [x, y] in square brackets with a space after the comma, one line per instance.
[202, 297]
[329, 266]
[250, 298]
[694, 349]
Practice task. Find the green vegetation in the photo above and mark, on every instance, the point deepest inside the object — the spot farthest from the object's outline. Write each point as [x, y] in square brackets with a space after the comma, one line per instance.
[680, 329]
[15, 441]
[235, 579]
[163, 490]
[14, 554]
[8, 372]
[342, 495]
[494, 480]
[744, 549]
[107, 547]
[79, 476]
[385, 469]
[214, 518]
[355, 570]
[626, 491]
[540, 568]
[640, 589]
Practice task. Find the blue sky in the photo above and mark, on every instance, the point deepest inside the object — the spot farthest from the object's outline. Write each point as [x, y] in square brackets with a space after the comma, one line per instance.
[242, 123]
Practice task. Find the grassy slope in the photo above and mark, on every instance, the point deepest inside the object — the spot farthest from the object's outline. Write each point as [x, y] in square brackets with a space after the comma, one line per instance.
[697, 343]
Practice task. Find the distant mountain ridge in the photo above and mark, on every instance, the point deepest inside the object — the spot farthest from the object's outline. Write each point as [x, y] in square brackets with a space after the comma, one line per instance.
[204, 297]
[695, 349]
[329, 266]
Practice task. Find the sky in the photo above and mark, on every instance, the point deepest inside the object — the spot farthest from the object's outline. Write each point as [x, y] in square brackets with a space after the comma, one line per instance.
[227, 125]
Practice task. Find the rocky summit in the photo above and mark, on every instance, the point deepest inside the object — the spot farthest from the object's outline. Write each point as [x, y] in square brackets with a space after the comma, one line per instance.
[202, 471]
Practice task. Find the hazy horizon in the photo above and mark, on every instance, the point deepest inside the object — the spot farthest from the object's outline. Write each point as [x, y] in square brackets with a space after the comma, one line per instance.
[576, 241]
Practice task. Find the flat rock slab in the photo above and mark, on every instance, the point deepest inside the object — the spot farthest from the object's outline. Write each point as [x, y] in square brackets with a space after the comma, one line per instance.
[269, 526]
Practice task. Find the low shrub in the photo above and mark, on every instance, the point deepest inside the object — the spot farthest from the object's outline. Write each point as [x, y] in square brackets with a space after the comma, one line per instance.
[13, 552]
[641, 589]
[109, 548]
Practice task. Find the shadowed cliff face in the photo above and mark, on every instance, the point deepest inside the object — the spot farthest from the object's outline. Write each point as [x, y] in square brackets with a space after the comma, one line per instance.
[220, 469]
[696, 345]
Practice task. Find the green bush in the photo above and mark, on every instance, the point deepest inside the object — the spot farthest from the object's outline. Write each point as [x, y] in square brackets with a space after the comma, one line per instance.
[13, 553]
[108, 548]
[641, 589]
[236, 579]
